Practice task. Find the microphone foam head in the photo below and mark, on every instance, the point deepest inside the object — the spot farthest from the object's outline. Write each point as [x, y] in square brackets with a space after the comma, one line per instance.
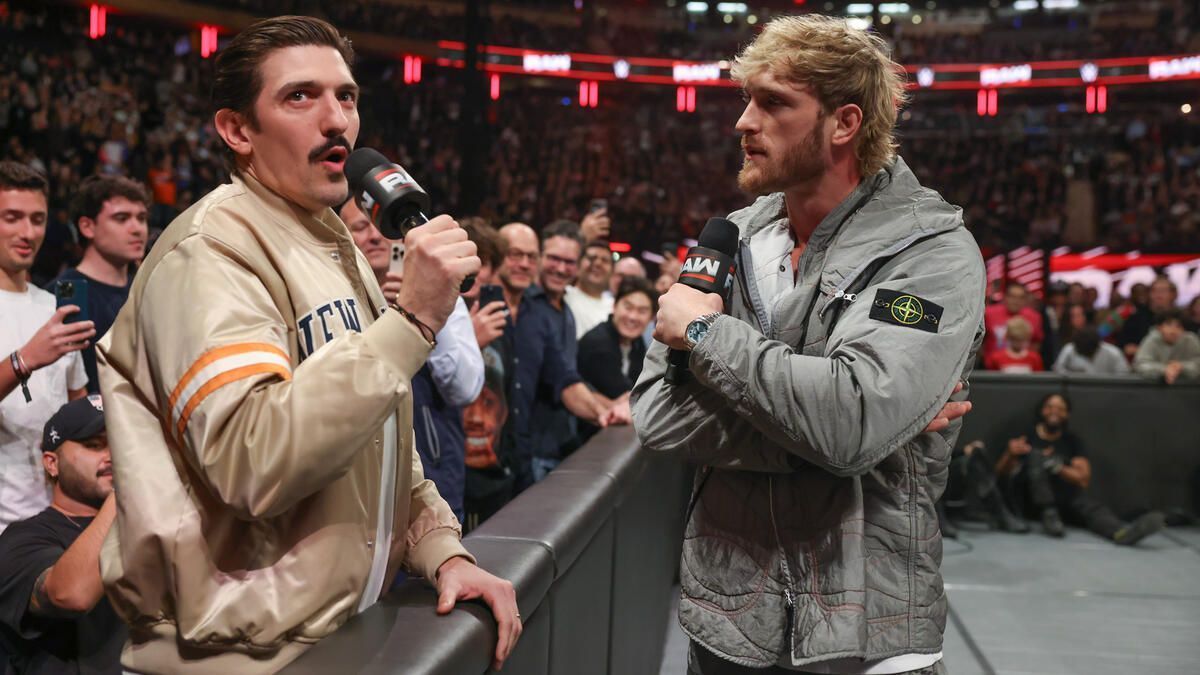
[719, 234]
[358, 164]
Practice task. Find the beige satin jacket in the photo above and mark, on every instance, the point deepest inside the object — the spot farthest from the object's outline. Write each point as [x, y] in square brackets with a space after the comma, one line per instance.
[258, 409]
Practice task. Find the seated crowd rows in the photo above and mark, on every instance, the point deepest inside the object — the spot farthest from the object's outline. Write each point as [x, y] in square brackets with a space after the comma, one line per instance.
[677, 32]
[1035, 176]
[1147, 333]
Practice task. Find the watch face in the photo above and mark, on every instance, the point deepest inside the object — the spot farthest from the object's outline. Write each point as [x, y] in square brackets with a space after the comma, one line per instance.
[696, 330]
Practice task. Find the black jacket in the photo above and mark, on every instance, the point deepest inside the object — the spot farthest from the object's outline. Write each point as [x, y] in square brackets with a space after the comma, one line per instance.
[600, 360]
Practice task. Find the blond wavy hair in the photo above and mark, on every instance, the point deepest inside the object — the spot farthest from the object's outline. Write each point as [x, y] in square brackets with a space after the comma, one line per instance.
[842, 65]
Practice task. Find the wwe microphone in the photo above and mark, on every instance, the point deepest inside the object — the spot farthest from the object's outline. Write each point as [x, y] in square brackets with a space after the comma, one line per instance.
[391, 199]
[709, 268]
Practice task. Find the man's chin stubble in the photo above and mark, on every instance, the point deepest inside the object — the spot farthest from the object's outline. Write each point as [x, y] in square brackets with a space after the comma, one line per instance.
[751, 183]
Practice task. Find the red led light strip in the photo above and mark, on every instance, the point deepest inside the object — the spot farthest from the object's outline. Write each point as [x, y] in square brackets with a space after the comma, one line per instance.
[1037, 67]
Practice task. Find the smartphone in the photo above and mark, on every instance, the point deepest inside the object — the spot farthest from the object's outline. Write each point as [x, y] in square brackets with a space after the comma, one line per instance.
[598, 205]
[73, 292]
[489, 294]
[396, 261]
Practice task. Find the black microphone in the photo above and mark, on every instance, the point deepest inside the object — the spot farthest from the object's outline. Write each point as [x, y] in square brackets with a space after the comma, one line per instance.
[389, 196]
[708, 267]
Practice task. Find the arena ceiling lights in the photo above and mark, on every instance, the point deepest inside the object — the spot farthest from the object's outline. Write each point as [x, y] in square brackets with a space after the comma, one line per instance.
[722, 7]
[1030, 5]
[865, 8]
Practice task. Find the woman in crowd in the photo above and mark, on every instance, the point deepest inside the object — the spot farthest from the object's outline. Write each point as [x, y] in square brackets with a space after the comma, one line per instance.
[1078, 316]
[611, 354]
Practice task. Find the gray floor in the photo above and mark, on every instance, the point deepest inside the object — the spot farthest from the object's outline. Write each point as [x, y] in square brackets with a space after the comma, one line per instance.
[1029, 604]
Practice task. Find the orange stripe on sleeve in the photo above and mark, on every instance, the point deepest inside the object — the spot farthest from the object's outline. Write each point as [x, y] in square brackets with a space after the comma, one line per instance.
[222, 380]
[219, 353]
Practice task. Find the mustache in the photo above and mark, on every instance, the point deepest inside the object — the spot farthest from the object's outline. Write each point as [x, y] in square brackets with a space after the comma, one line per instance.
[335, 142]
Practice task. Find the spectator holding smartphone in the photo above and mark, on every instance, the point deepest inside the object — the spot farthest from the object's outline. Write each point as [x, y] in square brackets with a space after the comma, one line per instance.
[41, 367]
[451, 379]
[489, 311]
[110, 214]
[596, 224]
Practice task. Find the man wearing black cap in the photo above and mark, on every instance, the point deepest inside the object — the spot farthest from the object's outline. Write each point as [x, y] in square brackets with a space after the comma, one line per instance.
[54, 617]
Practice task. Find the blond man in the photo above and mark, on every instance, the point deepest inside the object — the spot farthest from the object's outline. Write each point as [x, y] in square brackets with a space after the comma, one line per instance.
[817, 406]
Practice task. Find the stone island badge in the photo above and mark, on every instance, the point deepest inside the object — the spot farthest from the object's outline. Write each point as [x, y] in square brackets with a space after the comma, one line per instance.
[905, 309]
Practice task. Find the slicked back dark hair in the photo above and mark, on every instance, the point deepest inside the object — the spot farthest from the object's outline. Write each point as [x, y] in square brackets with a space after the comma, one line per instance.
[238, 81]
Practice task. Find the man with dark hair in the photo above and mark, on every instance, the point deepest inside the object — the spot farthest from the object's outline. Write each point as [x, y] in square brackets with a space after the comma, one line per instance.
[538, 367]
[40, 366]
[54, 617]
[109, 213]
[1087, 354]
[554, 427]
[1169, 352]
[559, 267]
[1046, 472]
[258, 391]
[1161, 296]
[589, 299]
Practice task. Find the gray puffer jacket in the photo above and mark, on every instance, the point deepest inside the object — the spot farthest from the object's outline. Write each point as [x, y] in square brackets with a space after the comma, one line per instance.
[812, 533]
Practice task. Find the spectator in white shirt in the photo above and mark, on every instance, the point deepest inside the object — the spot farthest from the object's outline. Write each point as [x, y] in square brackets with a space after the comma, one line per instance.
[35, 378]
[590, 300]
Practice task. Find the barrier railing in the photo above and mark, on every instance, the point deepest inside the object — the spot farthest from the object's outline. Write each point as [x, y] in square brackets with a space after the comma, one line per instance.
[592, 551]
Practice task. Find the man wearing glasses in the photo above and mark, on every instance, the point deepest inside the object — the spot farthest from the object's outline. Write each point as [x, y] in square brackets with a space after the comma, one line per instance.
[538, 347]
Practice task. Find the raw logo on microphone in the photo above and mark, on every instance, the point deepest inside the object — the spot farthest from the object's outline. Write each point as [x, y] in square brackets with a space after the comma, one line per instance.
[392, 179]
[701, 267]
[706, 269]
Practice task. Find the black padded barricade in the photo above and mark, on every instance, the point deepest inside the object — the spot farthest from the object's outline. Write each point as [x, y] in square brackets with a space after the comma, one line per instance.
[592, 550]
